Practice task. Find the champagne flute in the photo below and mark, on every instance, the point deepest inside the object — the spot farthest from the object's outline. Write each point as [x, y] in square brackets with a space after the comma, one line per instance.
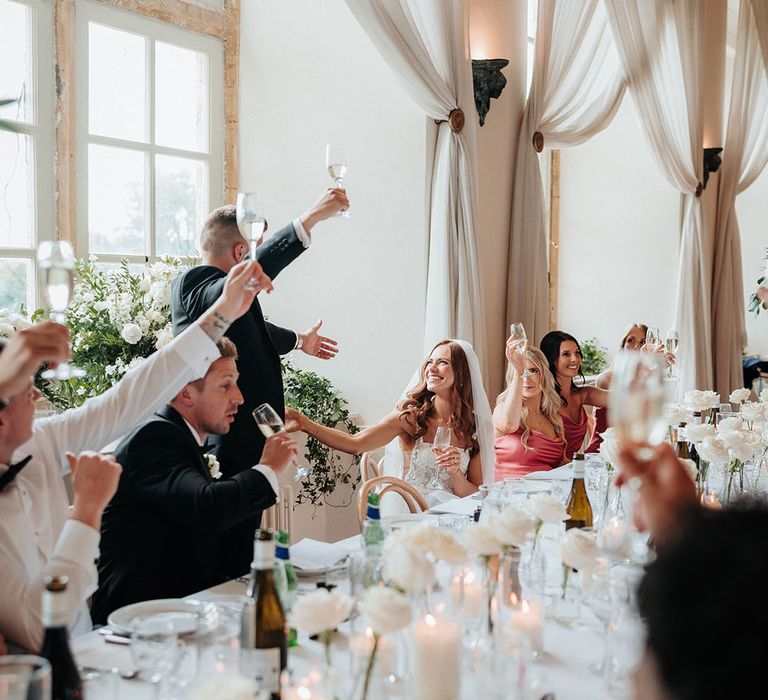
[652, 339]
[336, 162]
[517, 332]
[270, 424]
[250, 219]
[56, 262]
[439, 444]
[672, 342]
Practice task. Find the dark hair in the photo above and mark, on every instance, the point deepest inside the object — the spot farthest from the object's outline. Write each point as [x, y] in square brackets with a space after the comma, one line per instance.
[550, 346]
[704, 604]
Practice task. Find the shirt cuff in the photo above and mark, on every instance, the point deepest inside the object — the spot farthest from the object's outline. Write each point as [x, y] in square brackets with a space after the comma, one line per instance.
[301, 234]
[78, 543]
[196, 349]
[269, 475]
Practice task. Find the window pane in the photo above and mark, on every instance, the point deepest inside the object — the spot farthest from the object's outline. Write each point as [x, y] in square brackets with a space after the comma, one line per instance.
[116, 200]
[181, 203]
[181, 98]
[117, 89]
[15, 284]
[16, 60]
[17, 190]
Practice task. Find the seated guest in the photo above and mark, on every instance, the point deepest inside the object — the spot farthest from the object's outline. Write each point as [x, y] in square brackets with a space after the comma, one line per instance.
[172, 500]
[529, 431]
[564, 357]
[39, 536]
[447, 391]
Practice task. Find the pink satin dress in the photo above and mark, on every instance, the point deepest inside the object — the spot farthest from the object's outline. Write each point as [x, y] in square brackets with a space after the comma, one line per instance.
[601, 425]
[575, 433]
[512, 459]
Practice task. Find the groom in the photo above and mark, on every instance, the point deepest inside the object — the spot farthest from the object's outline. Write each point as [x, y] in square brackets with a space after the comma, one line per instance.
[164, 534]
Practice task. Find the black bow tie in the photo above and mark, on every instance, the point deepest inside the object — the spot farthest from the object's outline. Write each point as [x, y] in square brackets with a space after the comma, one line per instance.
[13, 470]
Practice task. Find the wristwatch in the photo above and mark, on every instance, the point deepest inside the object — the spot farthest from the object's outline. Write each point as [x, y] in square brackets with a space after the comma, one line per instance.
[299, 342]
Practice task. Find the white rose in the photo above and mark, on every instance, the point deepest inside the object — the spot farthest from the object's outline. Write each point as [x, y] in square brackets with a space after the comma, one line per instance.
[161, 293]
[513, 526]
[21, 323]
[713, 449]
[697, 433]
[677, 413]
[578, 549]
[135, 362]
[320, 611]
[385, 610]
[442, 544]
[547, 508]
[164, 336]
[740, 395]
[213, 465]
[698, 400]
[408, 567]
[729, 425]
[691, 468]
[6, 329]
[144, 285]
[131, 333]
[609, 447]
[480, 538]
[101, 306]
[752, 412]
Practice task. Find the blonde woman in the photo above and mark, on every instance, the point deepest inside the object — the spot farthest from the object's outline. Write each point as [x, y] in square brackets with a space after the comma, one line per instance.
[529, 430]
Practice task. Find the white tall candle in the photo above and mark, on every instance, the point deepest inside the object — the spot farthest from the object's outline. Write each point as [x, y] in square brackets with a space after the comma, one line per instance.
[528, 620]
[436, 659]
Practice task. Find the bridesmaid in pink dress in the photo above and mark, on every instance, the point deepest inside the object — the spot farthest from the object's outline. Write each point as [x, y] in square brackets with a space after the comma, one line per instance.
[564, 357]
[529, 431]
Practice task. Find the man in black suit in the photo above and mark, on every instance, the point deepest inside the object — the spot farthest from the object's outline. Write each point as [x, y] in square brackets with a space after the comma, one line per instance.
[259, 342]
[164, 533]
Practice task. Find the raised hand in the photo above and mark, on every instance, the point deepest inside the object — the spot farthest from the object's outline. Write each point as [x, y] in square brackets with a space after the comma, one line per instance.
[332, 201]
[95, 478]
[279, 451]
[243, 283]
[514, 353]
[294, 420]
[318, 345]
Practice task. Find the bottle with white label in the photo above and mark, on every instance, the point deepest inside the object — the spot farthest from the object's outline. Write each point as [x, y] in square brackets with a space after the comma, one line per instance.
[263, 633]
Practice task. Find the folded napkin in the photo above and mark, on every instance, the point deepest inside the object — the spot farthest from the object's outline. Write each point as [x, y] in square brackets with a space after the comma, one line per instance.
[564, 473]
[457, 506]
[313, 555]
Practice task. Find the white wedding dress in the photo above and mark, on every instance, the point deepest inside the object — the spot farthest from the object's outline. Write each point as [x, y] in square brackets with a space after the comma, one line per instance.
[422, 469]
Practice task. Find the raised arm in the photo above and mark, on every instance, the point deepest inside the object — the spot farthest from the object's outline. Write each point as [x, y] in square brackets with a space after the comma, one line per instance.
[507, 413]
[366, 440]
[594, 396]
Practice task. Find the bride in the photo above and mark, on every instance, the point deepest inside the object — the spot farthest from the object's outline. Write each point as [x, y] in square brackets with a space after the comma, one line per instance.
[446, 391]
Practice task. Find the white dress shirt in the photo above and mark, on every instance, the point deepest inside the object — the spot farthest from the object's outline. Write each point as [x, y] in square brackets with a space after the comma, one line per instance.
[37, 538]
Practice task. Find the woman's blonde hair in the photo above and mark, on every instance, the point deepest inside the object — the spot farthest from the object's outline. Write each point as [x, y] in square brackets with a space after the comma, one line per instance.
[550, 399]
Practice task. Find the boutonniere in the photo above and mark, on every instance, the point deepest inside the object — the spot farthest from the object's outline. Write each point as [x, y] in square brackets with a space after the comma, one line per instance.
[213, 465]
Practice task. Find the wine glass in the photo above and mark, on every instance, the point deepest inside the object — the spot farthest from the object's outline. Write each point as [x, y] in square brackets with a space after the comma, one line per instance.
[600, 601]
[56, 262]
[250, 219]
[672, 342]
[517, 332]
[652, 339]
[439, 444]
[336, 162]
[270, 424]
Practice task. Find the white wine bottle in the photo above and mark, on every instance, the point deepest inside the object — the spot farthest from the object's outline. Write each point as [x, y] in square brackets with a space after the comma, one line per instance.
[578, 506]
[65, 679]
[263, 632]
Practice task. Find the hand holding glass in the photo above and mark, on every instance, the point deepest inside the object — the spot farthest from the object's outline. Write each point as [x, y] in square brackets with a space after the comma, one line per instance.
[336, 162]
[439, 444]
[517, 332]
[270, 424]
[672, 342]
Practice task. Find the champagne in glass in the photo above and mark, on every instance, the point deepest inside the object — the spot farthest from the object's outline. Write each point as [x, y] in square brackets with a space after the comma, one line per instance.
[250, 219]
[672, 342]
[270, 424]
[652, 339]
[517, 332]
[336, 163]
[439, 444]
[56, 262]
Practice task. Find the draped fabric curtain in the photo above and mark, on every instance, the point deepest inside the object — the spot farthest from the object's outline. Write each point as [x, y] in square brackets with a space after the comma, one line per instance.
[745, 156]
[661, 49]
[424, 43]
[577, 87]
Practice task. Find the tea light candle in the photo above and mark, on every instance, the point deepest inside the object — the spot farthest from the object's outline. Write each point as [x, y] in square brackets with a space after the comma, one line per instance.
[528, 620]
[437, 659]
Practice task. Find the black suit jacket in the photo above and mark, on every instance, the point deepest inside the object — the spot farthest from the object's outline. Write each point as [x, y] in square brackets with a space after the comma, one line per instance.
[164, 533]
[259, 346]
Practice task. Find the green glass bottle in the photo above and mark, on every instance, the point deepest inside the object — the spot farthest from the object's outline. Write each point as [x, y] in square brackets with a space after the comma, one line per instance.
[290, 590]
[373, 542]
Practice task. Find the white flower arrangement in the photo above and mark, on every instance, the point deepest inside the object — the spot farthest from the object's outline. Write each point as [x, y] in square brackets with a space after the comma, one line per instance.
[677, 413]
[698, 433]
[578, 549]
[481, 539]
[213, 465]
[702, 400]
[320, 611]
[546, 508]
[513, 527]
[385, 610]
[754, 412]
[740, 395]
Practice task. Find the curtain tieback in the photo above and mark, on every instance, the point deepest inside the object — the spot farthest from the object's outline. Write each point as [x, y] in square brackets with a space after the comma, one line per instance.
[455, 120]
[538, 142]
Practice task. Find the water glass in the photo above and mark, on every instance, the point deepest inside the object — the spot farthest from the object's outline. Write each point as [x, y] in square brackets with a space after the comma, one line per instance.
[24, 677]
[155, 649]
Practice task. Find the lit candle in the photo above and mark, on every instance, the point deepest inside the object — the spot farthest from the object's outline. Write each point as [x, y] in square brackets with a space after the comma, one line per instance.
[528, 621]
[468, 590]
[436, 659]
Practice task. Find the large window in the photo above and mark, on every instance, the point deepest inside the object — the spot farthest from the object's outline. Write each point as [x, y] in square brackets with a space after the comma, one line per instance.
[26, 145]
[150, 129]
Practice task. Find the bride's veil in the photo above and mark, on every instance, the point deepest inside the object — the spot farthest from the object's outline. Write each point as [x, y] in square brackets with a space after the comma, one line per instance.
[393, 453]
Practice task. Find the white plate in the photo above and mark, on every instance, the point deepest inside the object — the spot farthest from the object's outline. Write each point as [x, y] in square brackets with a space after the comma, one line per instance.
[408, 519]
[182, 614]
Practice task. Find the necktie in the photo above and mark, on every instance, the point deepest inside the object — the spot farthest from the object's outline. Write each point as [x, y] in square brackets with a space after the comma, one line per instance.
[12, 472]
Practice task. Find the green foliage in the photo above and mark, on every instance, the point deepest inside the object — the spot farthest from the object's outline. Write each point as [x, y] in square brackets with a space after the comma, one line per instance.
[316, 398]
[594, 358]
[6, 125]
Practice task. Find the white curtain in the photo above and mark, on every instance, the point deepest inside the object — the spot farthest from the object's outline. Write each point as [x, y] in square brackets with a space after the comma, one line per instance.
[745, 156]
[424, 43]
[576, 89]
[661, 49]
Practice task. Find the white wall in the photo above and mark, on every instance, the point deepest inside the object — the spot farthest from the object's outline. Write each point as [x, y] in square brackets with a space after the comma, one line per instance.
[619, 235]
[309, 75]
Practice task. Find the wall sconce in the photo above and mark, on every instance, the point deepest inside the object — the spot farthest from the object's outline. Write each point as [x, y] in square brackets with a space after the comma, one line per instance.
[488, 81]
[712, 161]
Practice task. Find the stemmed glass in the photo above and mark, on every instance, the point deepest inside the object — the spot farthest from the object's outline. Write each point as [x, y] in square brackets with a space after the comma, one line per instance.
[652, 339]
[441, 442]
[250, 219]
[600, 601]
[336, 162]
[672, 342]
[56, 262]
[270, 424]
[517, 332]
